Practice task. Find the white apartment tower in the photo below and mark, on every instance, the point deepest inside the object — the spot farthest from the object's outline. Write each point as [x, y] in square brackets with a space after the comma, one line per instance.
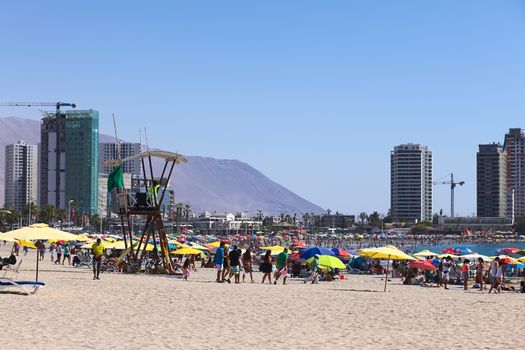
[21, 177]
[411, 183]
[108, 151]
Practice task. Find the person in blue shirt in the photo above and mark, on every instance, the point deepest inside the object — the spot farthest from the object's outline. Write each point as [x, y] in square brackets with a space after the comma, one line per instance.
[219, 260]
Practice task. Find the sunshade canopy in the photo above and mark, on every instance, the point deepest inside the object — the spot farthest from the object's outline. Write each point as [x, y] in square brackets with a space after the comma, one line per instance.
[391, 253]
[39, 232]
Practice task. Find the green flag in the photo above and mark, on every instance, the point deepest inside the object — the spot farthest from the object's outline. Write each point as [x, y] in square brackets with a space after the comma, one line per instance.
[115, 178]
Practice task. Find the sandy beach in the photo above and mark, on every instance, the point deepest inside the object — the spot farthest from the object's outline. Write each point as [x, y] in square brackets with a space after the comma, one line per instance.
[157, 312]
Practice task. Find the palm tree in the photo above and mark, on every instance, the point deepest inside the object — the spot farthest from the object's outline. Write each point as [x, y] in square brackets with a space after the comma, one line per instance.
[363, 217]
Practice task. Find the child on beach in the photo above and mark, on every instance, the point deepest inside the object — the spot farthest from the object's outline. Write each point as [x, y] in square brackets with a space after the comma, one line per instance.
[186, 267]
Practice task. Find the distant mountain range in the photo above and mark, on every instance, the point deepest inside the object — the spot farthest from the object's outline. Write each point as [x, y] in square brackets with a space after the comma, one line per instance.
[205, 183]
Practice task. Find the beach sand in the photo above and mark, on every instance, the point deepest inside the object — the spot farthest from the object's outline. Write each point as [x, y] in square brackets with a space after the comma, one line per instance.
[157, 312]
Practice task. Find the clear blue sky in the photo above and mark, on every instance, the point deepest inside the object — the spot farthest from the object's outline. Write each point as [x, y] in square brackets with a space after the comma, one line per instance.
[314, 94]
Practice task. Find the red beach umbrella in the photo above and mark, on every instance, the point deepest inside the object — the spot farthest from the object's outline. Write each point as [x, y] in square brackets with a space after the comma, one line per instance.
[299, 245]
[423, 265]
[295, 256]
[509, 251]
[448, 251]
[341, 253]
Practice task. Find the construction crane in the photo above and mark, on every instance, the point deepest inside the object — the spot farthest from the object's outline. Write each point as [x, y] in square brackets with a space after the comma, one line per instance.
[39, 104]
[453, 185]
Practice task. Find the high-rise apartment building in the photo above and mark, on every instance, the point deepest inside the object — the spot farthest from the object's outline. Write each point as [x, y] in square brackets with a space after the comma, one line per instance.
[514, 147]
[491, 181]
[411, 183]
[69, 160]
[21, 180]
[108, 151]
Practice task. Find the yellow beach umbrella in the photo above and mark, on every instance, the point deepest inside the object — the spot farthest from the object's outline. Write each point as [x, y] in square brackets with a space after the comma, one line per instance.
[388, 253]
[272, 248]
[187, 251]
[216, 244]
[198, 246]
[39, 232]
[521, 260]
[425, 253]
[28, 244]
[328, 261]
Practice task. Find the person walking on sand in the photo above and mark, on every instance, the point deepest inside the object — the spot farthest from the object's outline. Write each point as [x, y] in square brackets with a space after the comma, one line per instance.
[266, 267]
[314, 269]
[67, 254]
[219, 261]
[282, 266]
[447, 265]
[98, 250]
[247, 264]
[60, 249]
[493, 269]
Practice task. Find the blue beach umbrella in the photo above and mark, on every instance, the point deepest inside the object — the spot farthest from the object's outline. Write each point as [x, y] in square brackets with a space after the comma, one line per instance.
[462, 250]
[308, 253]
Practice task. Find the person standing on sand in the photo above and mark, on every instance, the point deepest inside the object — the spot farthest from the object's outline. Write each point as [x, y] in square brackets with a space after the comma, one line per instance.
[465, 273]
[186, 269]
[98, 250]
[282, 266]
[247, 264]
[479, 274]
[226, 264]
[219, 260]
[52, 251]
[447, 265]
[235, 264]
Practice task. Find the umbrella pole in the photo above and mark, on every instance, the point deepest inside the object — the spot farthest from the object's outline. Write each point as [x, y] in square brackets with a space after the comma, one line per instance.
[37, 259]
[386, 272]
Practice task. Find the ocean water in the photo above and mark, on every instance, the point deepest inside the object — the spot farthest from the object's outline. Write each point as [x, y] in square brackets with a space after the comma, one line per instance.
[483, 249]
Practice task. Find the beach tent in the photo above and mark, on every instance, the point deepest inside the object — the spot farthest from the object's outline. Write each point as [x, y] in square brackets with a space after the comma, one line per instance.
[388, 253]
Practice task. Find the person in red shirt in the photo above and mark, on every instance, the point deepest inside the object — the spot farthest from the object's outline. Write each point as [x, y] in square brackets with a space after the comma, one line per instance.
[465, 273]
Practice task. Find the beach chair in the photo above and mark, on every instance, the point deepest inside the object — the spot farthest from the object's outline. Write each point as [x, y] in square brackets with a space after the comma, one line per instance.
[85, 259]
[21, 286]
[113, 266]
[16, 270]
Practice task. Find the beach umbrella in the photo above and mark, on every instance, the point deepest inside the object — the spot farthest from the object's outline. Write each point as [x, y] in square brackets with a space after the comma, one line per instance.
[425, 253]
[341, 253]
[299, 245]
[388, 253]
[295, 256]
[474, 257]
[215, 244]
[28, 244]
[328, 261]
[39, 232]
[187, 251]
[198, 246]
[448, 251]
[423, 265]
[275, 247]
[506, 260]
[463, 250]
[521, 260]
[508, 251]
[7, 239]
[310, 252]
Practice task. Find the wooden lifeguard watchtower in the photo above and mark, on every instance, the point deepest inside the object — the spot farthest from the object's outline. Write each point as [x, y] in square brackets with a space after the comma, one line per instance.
[147, 204]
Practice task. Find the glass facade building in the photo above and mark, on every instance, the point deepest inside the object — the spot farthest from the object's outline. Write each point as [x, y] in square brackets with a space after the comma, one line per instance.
[81, 160]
